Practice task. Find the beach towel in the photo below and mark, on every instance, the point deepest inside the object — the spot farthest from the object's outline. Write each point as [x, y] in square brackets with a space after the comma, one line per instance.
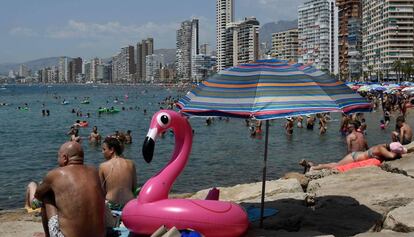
[358, 164]
[253, 213]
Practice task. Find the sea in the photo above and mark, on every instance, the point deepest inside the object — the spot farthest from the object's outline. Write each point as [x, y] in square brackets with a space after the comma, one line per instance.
[223, 154]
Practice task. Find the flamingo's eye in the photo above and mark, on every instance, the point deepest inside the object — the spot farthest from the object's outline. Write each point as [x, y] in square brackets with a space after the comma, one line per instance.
[164, 120]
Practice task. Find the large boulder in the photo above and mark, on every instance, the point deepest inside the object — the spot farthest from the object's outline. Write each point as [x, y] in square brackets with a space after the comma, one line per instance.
[385, 233]
[243, 192]
[404, 166]
[401, 219]
[373, 187]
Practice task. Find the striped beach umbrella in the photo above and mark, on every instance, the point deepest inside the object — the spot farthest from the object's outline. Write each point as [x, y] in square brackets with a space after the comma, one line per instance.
[270, 89]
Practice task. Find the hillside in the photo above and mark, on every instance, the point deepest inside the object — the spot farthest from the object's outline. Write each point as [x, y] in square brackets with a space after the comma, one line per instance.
[268, 29]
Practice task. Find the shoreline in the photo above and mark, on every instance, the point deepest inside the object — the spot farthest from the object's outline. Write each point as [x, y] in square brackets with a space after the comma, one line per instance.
[363, 202]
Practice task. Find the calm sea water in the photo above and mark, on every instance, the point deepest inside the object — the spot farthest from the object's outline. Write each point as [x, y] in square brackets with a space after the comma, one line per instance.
[223, 154]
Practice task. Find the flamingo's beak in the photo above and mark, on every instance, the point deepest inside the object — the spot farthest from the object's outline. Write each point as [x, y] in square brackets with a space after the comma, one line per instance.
[149, 144]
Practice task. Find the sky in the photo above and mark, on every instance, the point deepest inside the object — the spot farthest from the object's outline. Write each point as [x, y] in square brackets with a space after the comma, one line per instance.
[32, 29]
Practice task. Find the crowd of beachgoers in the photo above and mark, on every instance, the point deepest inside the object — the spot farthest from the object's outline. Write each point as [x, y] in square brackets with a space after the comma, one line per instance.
[106, 190]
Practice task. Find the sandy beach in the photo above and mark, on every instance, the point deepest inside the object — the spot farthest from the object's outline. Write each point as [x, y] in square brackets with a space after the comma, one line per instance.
[363, 202]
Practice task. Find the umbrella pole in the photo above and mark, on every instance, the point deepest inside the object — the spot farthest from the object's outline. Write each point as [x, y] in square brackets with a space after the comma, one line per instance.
[264, 174]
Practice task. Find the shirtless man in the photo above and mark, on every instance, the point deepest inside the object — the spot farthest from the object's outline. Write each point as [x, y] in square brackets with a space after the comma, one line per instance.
[72, 197]
[355, 140]
[310, 121]
[117, 174]
[289, 126]
[94, 137]
[403, 133]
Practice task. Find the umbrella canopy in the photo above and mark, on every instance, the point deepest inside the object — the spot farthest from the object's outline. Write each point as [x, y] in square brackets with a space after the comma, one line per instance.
[270, 89]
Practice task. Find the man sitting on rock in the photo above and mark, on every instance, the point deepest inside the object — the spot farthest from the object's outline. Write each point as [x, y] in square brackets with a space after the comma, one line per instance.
[71, 197]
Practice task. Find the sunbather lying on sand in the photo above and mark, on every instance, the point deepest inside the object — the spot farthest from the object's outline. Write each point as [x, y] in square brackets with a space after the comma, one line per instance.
[382, 152]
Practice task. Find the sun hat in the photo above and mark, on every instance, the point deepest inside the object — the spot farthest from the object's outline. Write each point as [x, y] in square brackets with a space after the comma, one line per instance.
[289, 118]
[398, 148]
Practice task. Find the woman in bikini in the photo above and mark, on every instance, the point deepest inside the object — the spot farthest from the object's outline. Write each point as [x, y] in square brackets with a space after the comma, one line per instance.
[381, 152]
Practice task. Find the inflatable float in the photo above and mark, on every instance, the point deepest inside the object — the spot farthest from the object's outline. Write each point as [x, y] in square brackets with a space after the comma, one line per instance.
[358, 164]
[106, 110]
[83, 124]
[85, 102]
[65, 102]
[153, 209]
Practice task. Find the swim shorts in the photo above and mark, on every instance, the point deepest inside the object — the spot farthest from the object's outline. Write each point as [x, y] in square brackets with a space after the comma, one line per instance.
[54, 229]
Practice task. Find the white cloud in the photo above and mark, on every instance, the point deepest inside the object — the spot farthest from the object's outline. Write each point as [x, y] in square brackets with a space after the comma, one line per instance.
[96, 33]
[22, 31]
[114, 30]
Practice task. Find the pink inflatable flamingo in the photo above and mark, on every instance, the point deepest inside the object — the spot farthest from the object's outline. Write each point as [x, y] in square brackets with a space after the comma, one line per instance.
[152, 208]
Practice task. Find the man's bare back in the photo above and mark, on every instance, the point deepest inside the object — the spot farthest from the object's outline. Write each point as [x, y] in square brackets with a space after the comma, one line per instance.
[78, 196]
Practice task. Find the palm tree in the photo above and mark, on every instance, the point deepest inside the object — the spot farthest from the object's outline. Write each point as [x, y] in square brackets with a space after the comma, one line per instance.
[397, 68]
[370, 68]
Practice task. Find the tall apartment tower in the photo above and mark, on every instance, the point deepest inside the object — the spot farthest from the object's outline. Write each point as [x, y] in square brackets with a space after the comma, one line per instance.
[95, 62]
[224, 16]
[123, 65]
[387, 34]
[187, 48]
[145, 48]
[350, 38]
[285, 45]
[318, 34]
[242, 42]
[75, 68]
[63, 76]
[204, 49]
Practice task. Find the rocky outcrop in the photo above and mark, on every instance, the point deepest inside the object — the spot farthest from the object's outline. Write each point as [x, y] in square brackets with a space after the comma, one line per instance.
[401, 219]
[243, 192]
[373, 187]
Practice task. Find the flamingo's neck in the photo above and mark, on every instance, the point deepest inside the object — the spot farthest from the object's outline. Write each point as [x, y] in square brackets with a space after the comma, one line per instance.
[158, 187]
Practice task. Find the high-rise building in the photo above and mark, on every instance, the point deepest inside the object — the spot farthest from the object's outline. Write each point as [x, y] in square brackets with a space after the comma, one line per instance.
[87, 71]
[75, 68]
[285, 45]
[145, 48]
[318, 34]
[103, 74]
[63, 76]
[204, 49]
[24, 71]
[123, 66]
[95, 62]
[154, 64]
[187, 48]
[224, 16]
[242, 42]
[350, 38]
[387, 35]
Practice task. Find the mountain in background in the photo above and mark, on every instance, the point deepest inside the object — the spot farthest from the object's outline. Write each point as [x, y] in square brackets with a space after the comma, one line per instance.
[33, 65]
[37, 64]
[268, 29]
[169, 55]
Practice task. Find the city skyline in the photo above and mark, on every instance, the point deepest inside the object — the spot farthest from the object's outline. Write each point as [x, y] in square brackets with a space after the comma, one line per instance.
[32, 30]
